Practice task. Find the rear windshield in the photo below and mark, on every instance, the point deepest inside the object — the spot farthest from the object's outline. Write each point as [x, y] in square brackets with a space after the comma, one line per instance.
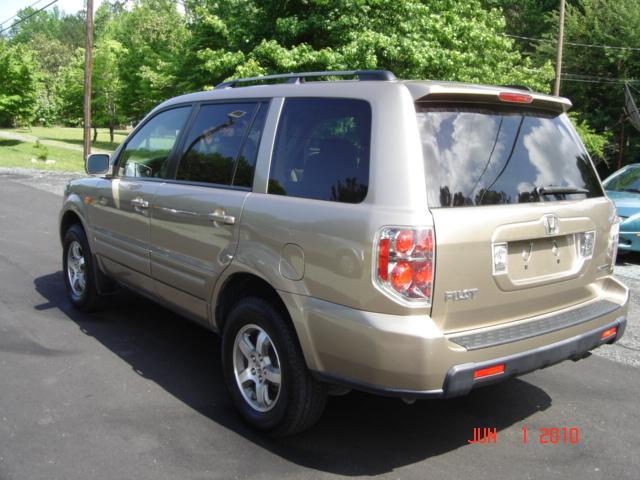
[493, 155]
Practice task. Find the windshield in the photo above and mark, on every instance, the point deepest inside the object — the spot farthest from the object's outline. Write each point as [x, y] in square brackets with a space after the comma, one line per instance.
[628, 180]
[495, 155]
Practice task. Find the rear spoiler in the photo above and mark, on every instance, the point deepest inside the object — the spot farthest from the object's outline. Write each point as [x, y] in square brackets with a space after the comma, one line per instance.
[424, 92]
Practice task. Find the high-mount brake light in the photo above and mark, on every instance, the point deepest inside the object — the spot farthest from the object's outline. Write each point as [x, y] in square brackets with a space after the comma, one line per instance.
[515, 97]
[404, 263]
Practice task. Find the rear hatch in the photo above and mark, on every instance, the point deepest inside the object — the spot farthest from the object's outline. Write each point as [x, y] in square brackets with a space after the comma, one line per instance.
[522, 225]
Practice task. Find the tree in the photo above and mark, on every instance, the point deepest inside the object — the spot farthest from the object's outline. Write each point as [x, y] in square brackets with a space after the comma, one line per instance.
[443, 39]
[106, 88]
[18, 77]
[106, 104]
[154, 35]
[591, 76]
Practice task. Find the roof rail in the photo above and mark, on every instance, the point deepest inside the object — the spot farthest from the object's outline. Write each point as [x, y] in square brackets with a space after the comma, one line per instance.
[380, 75]
[518, 87]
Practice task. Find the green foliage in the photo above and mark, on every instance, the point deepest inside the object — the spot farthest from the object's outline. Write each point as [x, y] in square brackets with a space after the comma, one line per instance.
[107, 89]
[600, 22]
[18, 78]
[153, 34]
[443, 39]
[596, 143]
[69, 89]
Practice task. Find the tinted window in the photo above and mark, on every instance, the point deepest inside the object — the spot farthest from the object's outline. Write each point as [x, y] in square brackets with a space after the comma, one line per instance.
[322, 150]
[487, 156]
[625, 181]
[214, 141]
[147, 152]
[247, 160]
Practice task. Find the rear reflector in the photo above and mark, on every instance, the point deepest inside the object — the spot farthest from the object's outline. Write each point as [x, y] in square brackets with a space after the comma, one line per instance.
[515, 97]
[487, 372]
[609, 332]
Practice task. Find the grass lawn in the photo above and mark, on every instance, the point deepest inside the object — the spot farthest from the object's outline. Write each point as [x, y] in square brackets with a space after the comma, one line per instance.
[72, 136]
[18, 153]
[15, 153]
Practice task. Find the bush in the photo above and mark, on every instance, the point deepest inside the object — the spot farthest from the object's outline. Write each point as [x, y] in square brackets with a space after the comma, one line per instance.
[42, 152]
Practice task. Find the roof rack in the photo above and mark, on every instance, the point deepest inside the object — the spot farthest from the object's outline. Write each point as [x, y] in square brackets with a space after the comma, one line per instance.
[380, 75]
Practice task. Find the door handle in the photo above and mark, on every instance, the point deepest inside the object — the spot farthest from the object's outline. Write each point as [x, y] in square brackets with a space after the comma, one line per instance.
[139, 202]
[220, 216]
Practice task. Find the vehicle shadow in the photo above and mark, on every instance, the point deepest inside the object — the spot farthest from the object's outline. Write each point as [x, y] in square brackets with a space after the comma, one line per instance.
[359, 434]
[628, 258]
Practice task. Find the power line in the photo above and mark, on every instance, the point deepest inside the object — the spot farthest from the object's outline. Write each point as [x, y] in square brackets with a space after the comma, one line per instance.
[575, 44]
[28, 16]
[596, 77]
[30, 6]
[571, 77]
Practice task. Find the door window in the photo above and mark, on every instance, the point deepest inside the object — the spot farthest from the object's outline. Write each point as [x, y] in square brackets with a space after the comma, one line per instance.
[322, 150]
[147, 152]
[214, 142]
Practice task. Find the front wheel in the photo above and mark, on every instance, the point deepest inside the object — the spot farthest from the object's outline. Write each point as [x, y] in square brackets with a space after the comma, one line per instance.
[77, 264]
[265, 371]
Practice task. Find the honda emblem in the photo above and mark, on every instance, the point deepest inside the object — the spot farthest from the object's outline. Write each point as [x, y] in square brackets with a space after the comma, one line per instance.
[551, 224]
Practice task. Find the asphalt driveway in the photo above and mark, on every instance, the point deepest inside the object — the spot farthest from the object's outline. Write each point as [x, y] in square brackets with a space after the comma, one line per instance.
[136, 392]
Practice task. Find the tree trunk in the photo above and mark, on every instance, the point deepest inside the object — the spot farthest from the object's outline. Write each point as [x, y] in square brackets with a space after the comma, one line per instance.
[95, 134]
[621, 144]
[111, 133]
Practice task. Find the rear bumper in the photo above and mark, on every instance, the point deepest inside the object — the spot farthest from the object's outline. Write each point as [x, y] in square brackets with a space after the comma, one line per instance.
[409, 356]
[460, 380]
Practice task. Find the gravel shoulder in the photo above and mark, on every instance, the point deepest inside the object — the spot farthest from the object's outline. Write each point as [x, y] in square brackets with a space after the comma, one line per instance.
[47, 180]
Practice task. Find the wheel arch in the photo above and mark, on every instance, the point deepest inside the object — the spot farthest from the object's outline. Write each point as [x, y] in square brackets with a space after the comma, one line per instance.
[241, 285]
[69, 218]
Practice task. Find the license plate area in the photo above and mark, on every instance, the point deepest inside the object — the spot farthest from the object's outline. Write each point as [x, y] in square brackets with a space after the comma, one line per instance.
[541, 258]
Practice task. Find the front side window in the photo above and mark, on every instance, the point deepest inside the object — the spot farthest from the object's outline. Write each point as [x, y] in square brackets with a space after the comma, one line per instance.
[147, 152]
[479, 155]
[214, 142]
[322, 150]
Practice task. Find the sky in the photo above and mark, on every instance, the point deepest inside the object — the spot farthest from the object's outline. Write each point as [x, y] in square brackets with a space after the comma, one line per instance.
[8, 8]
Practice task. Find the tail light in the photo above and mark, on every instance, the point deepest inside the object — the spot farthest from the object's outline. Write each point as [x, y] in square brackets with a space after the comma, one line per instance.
[614, 238]
[404, 263]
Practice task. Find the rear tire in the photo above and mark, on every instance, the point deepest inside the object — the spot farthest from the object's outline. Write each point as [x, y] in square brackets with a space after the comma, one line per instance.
[265, 371]
[78, 268]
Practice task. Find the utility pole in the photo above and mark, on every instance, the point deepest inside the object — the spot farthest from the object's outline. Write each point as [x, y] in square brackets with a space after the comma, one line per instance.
[556, 87]
[88, 47]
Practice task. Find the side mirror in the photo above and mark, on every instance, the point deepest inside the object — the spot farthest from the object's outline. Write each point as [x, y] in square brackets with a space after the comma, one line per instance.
[98, 164]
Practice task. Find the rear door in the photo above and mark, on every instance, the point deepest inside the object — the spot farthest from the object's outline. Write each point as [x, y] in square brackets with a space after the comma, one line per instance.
[195, 219]
[521, 221]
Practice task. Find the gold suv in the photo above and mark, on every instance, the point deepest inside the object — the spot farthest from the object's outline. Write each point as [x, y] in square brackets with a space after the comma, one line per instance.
[409, 238]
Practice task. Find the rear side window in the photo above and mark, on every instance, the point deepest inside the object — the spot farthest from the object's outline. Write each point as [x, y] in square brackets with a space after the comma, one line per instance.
[491, 155]
[214, 141]
[322, 150]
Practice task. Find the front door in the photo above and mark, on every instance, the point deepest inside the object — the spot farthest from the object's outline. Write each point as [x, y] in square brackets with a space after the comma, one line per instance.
[121, 212]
